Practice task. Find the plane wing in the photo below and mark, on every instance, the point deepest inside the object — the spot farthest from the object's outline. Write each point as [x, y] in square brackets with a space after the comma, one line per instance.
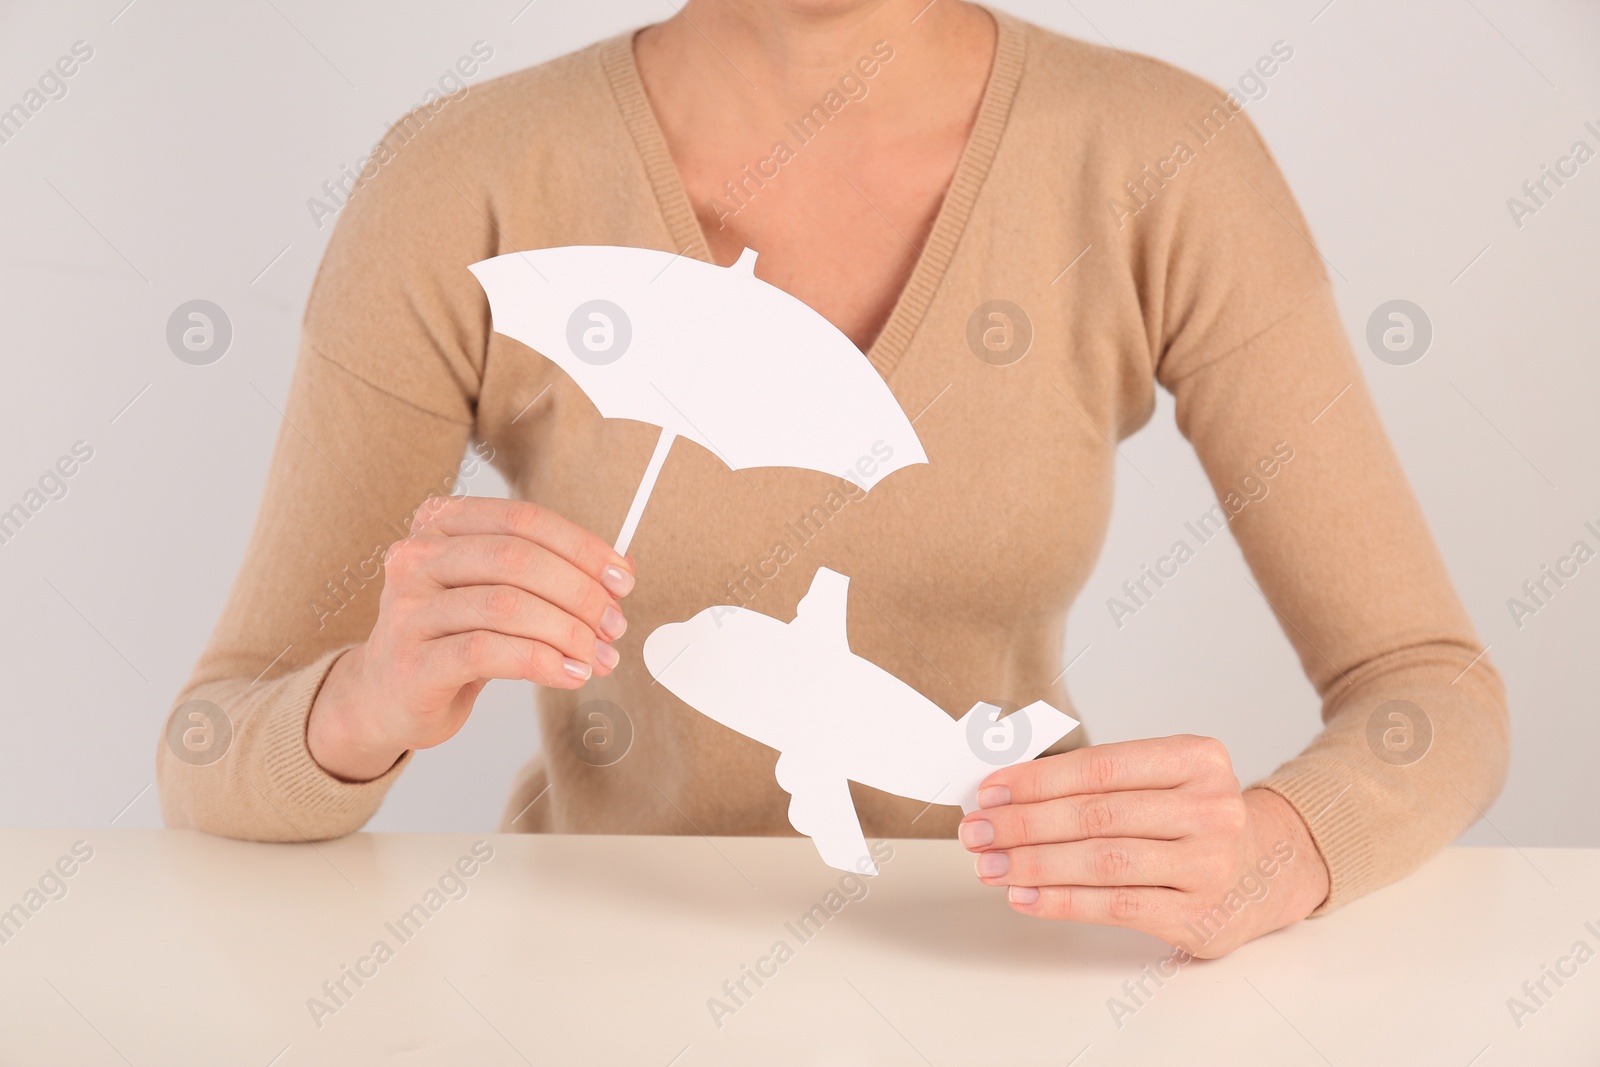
[821, 808]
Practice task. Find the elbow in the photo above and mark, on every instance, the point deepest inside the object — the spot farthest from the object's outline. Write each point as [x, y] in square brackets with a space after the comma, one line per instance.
[216, 799]
[1472, 730]
[1494, 721]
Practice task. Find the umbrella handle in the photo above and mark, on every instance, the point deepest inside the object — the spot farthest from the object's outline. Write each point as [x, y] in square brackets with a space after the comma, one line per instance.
[651, 473]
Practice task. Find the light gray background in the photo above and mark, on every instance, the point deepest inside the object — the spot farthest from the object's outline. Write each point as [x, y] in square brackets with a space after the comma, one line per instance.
[179, 164]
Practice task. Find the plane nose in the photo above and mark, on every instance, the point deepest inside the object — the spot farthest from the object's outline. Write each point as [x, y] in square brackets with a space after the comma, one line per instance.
[665, 645]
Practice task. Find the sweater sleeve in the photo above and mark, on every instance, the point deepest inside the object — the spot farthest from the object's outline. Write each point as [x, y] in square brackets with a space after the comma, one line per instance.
[379, 414]
[1415, 738]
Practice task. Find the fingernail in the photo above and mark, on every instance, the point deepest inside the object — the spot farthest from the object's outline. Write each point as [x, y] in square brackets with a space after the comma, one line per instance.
[994, 796]
[577, 668]
[617, 581]
[1022, 894]
[612, 624]
[977, 833]
[606, 655]
[993, 864]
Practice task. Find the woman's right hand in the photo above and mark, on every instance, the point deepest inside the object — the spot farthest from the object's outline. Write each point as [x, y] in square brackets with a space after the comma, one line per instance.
[482, 588]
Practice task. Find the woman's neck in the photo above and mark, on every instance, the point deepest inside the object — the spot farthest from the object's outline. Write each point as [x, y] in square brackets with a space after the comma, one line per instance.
[777, 54]
[825, 139]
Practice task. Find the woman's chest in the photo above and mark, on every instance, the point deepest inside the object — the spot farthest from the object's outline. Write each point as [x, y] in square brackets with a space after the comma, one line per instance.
[1017, 375]
[837, 226]
[1002, 523]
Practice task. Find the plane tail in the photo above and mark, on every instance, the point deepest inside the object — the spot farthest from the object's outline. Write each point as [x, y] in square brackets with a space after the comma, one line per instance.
[994, 741]
[824, 608]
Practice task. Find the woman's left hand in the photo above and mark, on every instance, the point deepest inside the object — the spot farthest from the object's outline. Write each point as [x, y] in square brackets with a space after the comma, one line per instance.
[1154, 835]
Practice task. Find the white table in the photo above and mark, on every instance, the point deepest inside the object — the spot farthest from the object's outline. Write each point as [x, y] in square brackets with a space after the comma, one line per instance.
[177, 948]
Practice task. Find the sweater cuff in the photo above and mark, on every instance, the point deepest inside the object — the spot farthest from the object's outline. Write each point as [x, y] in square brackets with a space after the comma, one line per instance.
[1320, 797]
[316, 805]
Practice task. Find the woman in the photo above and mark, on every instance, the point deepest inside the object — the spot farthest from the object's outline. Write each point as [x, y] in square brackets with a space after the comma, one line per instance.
[901, 169]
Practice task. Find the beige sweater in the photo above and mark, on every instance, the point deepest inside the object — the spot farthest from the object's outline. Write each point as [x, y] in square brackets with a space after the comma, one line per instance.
[1199, 275]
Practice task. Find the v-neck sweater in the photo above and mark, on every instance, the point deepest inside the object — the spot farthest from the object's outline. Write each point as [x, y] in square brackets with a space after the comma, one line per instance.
[617, 58]
[1114, 224]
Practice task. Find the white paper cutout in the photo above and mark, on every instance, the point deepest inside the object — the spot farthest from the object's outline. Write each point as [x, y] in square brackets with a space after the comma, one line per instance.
[835, 717]
[710, 353]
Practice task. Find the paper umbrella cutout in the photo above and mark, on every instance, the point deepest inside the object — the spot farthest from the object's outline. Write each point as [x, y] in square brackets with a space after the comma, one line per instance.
[710, 353]
[836, 718]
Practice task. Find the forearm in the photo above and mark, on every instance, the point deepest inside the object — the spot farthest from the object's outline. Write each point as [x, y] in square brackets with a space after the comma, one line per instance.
[307, 591]
[1414, 744]
[1410, 756]
[264, 785]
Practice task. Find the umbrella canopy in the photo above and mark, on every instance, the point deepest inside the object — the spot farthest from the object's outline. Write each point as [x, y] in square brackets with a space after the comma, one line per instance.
[710, 353]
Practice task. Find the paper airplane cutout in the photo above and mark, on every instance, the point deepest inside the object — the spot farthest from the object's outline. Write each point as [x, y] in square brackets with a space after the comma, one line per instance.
[710, 353]
[836, 718]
